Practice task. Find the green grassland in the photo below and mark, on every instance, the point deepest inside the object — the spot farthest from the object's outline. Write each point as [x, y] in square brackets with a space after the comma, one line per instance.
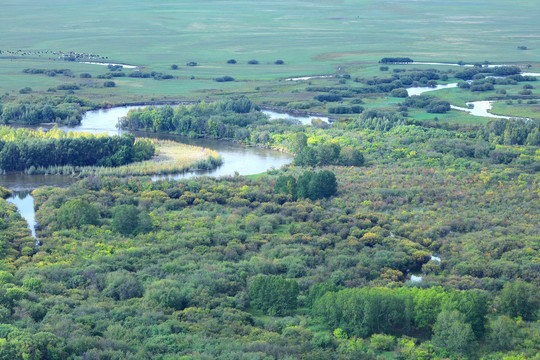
[303, 34]
[346, 37]
[312, 38]
[524, 109]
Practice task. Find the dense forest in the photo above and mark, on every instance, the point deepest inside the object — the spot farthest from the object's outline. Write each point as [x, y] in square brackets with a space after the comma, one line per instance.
[312, 261]
[376, 189]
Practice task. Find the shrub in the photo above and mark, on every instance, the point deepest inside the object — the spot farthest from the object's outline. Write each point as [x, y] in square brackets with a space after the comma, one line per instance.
[383, 342]
[109, 84]
[231, 61]
[399, 92]
[68, 87]
[224, 79]
[191, 63]
[253, 62]
[279, 62]
[121, 285]
[174, 67]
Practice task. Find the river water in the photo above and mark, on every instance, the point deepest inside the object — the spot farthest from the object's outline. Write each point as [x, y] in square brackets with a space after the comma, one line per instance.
[304, 120]
[25, 203]
[419, 90]
[237, 159]
[480, 108]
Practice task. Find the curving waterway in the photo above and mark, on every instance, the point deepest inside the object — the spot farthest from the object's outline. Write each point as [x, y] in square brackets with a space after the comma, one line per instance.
[237, 159]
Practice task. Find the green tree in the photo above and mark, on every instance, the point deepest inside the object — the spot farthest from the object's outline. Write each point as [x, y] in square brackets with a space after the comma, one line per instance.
[76, 213]
[520, 299]
[452, 333]
[298, 142]
[125, 219]
[121, 285]
[273, 294]
[326, 181]
[503, 334]
[349, 156]
[167, 293]
[286, 184]
[302, 185]
[474, 304]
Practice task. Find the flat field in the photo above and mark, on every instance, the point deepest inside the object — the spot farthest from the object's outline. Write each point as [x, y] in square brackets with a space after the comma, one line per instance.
[311, 37]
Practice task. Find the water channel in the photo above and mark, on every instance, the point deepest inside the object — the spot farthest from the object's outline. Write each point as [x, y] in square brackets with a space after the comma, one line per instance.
[237, 159]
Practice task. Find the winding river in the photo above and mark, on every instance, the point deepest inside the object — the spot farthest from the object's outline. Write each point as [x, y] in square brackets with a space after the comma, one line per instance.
[237, 159]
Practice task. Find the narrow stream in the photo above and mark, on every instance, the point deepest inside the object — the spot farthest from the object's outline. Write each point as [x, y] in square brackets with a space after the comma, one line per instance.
[25, 205]
[417, 276]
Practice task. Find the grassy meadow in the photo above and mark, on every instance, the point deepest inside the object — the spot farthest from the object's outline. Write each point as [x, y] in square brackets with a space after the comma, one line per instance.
[311, 38]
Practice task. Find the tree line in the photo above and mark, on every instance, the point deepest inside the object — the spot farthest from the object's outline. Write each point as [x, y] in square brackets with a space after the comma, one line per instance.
[24, 149]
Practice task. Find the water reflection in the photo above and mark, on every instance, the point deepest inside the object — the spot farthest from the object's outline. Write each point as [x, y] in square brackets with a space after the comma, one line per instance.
[25, 205]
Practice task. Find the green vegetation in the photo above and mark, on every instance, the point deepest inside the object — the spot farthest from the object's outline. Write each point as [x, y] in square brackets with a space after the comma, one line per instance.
[62, 110]
[22, 149]
[296, 276]
[311, 261]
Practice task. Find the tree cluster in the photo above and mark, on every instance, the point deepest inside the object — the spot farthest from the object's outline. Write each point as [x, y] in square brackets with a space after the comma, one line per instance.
[274, 295]
[310, 185]
[396, 60]
[222, 119]
[67, 110]
[431, 103]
